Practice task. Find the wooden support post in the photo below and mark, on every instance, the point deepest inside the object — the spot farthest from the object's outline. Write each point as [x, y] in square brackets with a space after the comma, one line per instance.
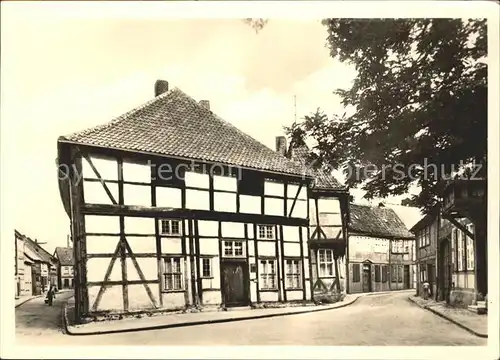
[302, 259]
[222, 285]
[192, 263]
[247, 285]
[185, 256]
[283, 269]
[123, 250]
[197, 260]
[278, 265]
[256, 251]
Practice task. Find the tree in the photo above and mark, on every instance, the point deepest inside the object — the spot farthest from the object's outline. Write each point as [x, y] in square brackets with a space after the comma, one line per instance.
[256, 23]
[419, 100]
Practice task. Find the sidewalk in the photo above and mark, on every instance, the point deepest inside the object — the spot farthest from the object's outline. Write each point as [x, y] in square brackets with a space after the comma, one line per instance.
[467, 320]
[188, 319]
[25, 298]
[164, 321]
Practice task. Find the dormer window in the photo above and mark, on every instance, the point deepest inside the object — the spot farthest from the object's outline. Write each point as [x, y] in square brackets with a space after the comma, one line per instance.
[266, 232]
[170, 227]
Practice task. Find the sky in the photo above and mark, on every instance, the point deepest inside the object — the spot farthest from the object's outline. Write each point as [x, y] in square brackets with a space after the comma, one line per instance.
[61, 75]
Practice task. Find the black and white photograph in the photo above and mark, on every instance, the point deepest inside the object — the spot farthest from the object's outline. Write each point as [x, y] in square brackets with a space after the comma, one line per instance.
[319, 178]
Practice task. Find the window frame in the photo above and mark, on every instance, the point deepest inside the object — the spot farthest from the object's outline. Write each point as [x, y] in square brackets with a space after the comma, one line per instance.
[268, 275]
[292, 274]
[233, 248]
[470, 265]
[172, 274]
[265, 231]
[326, 262]
[210, 267]
[170, 227]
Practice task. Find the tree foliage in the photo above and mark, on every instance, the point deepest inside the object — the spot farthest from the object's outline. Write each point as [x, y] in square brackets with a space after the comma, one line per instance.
[419, 97]
[256, 23]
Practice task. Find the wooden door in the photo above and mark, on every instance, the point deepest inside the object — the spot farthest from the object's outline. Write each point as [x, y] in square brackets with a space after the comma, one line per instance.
[406, 276]
[367, 278]
[445, 264]
[235, 279]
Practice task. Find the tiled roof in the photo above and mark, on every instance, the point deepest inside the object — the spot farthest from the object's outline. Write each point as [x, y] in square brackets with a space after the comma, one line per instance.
[322, 181]
[174, 124]
[377, 221]
[65, 255]
[42, 254]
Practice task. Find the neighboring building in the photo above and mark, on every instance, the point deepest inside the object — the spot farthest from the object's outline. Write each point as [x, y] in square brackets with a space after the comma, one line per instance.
[328, 215]
[426, 233]
[381, 250]
[195, 211]
[446, 258]
[34, 266]
[456, 264]
[22, 267]
[65, 267]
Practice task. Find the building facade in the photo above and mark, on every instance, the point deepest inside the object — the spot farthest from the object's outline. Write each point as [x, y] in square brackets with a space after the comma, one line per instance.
[446, 259]
[65, 267]
[427, 233]
[327, 232]
[22, 268]
[187, 211]
[380, 251]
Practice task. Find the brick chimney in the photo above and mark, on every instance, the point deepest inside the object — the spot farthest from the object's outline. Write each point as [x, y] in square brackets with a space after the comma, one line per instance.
[205, 104]
[281, 145]
[161, 86]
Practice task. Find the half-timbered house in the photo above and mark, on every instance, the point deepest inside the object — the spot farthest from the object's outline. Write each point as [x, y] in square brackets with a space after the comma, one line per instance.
[381, 250]
[172, 207]
[328, 218]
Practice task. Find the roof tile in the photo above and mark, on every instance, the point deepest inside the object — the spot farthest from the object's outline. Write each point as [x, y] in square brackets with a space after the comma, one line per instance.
[174, 124]
[377, 221]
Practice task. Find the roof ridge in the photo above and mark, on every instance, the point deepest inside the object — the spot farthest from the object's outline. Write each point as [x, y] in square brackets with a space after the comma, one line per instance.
[123, 116]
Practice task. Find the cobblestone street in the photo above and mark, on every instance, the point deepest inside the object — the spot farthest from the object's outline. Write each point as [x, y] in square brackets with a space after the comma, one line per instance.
[36, 321]
[373, 320]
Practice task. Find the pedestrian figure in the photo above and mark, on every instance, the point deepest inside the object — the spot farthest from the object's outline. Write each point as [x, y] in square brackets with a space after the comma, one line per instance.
[51, 294]
[426, 287]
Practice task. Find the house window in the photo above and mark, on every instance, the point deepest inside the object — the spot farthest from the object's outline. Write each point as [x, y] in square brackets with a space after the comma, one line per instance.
[233, 248]
[293, 277]
[400, 274]
[325, 262]
[206, 267]
[170, 227]
[454, 247]
[267, 232]
[356, 273]
[470, 248]
[460, 254]
[377, 273]
[172, 274]
[268, 274]
[423, 274]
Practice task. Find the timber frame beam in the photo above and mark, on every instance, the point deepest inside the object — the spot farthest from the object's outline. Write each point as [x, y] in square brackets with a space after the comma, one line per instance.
[459, 225]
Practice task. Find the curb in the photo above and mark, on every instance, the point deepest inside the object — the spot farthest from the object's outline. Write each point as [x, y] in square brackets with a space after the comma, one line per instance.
[29, 299]
[193, 323]
[459, 324]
